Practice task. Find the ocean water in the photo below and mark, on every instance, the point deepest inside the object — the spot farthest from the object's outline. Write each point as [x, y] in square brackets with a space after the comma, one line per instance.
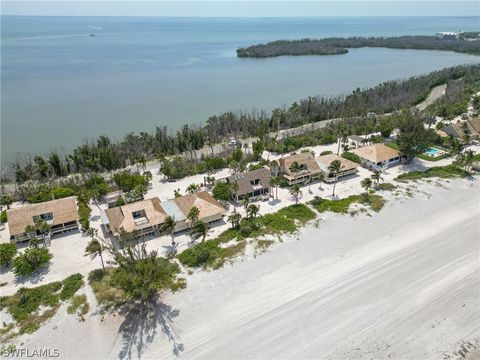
[61, 87]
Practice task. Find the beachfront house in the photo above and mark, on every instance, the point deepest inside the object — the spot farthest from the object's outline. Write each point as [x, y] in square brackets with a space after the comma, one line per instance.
[299, 168]
[253, 184]
[377, 156]
[147, 216]
[348, 167]
[60, 214]
[210, 210]
[356, 141]
[141, 217]
[457, 130]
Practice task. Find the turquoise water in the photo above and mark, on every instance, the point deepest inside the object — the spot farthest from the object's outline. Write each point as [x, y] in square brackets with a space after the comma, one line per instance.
[432, 152]
[61, 87]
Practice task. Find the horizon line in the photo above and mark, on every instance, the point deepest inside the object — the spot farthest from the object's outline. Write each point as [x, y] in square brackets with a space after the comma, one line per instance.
[249, 17]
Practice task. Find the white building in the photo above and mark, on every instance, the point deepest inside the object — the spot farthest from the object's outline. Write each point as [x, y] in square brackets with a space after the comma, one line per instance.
[377, 156]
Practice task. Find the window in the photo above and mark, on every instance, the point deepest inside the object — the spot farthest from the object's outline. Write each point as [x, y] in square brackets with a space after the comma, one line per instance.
[255, 182]
[138, 214]
[43, 217]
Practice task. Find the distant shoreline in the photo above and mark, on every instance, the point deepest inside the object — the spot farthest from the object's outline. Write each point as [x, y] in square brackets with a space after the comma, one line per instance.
[466, 43]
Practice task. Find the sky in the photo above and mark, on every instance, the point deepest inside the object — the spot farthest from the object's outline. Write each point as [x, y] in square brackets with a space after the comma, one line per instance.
[232, 8]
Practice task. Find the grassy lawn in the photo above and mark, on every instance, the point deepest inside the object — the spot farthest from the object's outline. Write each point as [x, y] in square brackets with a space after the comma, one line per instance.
[429, 158]
[341, 206]
[392, 145]
[445, 172]
[212, 254]
[31, 307]
[423, 156]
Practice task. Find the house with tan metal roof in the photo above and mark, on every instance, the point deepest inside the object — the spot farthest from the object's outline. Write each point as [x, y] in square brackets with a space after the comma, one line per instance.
[142, 217]
[299, 168]
[348, 167]
[145, 217]
[60, 214]
[377, 156]
[253, 184]
[210, 210]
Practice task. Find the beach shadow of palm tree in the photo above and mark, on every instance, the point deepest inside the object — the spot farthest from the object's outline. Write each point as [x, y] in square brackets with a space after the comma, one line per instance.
[141, 323]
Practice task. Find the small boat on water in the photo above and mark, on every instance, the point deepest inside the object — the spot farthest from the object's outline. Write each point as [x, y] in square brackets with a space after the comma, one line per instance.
[92, 34]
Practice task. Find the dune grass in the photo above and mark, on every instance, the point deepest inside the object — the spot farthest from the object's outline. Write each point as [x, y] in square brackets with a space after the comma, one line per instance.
[31, 307]
[444, 172]
[341, 206]
[214, 254]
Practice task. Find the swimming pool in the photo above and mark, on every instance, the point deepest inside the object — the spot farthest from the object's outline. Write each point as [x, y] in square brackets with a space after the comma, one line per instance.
[434, 152]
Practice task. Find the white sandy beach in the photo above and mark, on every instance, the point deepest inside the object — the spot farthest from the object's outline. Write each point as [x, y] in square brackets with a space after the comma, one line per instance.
[401, 284]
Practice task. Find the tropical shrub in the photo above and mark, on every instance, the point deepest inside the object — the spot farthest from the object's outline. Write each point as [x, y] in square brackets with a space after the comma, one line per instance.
[32, 260]
[7, 252]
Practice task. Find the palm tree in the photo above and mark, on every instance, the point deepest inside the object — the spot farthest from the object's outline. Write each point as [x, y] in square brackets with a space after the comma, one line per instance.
[234, 219]
[94, 247]
[376, 177]
[275, 182]
[366, 184]
[234, 186]
[342, 136]
[192, 188]
[295, 192]
[335, 166]
[466, 132]
[193, 214]
[31, 230]
[295, 167]
[321, 178]
[468, 159]
[245, 147]
[252, 211]
[168, 227]
[199, 230]
[245, 202]
[43, 228]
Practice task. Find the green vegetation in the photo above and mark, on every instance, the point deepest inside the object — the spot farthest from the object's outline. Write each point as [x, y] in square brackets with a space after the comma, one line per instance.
[212, 254]
[106, 293]
[385, 187]
[334, 46]
[7, 253]
[326, 152]
[84, 211]
[129, 182]
[70, 286]
[30, 261]
[79, 303]
[413, 139]
[105, 155]
[376, 203]
[139, 276]
[449, 171]
[45, 194]
[3, 217]
[30, 308]
[429, 158]
[351, 156]
[222, 191]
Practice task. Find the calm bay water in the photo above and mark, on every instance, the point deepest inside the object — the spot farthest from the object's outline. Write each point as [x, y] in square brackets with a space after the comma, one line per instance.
[61, 86]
